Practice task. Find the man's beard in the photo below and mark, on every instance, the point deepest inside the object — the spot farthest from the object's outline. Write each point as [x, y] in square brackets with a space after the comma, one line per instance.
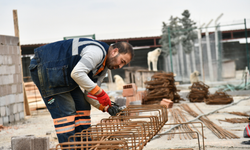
[111, 62]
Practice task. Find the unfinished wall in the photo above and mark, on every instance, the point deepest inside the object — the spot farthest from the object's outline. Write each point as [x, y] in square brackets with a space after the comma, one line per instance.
[11, 88]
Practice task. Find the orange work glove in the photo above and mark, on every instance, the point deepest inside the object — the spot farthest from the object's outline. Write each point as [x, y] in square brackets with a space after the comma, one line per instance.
[103, 98]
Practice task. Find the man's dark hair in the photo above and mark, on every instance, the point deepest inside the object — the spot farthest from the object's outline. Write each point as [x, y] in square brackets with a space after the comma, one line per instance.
[124, 47]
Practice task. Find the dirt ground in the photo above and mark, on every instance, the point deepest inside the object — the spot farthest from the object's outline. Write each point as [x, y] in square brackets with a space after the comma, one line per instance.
[40, 124]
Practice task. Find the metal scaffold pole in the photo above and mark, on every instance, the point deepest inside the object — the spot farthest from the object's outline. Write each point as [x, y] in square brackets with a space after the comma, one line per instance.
[169, 41]
[247, 51]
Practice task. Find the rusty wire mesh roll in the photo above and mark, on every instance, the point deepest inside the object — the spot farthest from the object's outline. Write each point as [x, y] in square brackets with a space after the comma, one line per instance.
[199, 92]
[161, 85]
[219, 98]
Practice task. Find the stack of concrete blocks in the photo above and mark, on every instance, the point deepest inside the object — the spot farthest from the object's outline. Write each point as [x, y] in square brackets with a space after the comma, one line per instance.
[11, 85]
[29, 142]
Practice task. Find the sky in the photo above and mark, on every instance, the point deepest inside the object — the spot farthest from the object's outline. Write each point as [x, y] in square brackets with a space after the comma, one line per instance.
[45, 21]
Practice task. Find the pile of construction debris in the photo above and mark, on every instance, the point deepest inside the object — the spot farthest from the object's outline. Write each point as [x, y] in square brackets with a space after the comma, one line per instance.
[161, 85]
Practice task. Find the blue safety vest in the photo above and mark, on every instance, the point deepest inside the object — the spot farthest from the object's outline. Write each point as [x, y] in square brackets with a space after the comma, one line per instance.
[56, 61]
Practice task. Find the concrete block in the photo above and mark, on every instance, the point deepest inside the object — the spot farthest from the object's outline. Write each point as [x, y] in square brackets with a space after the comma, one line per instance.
[2, 111]
[1, 59]
[1, 120]
[14, 41]
[12, 118]
[13, 109]
[18, 69]
[2, 91]
[17, 117]
[6, 120]
[16, 98]
[7, 50]
[15, 78]
[17, 60]
[11, 81]
[1, 48]
[2, 100]
[12, 69]
[8, 89]
[7, 110]
[1, 78]
[20, 97]
[18, 50]
[9, 59]
[41, 143]
[14, 88]
[6, 100]
[12, 98]
[20, 107]
[21, 114]
[23, 142]
[3, 67]
[2, 39]
[11, 50]
[21, 87]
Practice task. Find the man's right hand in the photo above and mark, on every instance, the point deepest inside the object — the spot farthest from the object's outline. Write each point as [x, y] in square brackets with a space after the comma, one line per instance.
[103, 98]
[113, 110]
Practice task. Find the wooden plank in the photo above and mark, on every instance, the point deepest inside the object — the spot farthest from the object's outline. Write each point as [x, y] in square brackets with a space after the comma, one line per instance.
[25, 99]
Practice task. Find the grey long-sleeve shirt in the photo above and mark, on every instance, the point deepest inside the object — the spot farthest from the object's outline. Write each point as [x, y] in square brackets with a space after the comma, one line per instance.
[91, 57]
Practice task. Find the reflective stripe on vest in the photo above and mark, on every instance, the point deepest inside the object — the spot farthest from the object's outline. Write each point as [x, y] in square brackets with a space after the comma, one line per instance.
[76, 44]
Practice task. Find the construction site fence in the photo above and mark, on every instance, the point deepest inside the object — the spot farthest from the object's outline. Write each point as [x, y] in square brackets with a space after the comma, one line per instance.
[209, 56]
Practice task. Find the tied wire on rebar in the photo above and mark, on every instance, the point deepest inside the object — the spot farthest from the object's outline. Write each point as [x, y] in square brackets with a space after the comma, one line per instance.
[161, 85]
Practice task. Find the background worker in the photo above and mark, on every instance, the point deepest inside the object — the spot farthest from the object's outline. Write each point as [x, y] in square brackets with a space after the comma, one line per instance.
[61, 69]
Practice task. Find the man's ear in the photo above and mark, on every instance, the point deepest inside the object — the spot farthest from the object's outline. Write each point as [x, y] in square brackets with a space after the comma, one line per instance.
[115, 51]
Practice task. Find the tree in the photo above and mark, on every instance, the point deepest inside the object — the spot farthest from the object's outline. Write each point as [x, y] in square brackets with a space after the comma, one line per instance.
[189, 35]
[174, 36]
[181, 30]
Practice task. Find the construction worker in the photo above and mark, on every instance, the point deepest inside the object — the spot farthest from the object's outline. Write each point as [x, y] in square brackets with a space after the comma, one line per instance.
[64, 69]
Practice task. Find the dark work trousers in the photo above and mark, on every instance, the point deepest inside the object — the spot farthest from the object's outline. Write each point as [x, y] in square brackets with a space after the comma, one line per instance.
[70, 111]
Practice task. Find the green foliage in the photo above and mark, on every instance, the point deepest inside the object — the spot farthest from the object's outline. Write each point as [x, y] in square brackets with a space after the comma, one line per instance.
[181, 30]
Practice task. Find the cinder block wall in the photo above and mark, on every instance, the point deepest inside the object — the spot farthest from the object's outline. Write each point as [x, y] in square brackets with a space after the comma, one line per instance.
[11, 88]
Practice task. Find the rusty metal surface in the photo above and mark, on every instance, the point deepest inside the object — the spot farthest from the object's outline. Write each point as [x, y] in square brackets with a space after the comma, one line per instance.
[198, 92]
[239, 113]
[217, 130]
[189, 132]
[236, 120]
[93, 145]
[218, 98]
[131, 129]
[179, 117]
[161, 85]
